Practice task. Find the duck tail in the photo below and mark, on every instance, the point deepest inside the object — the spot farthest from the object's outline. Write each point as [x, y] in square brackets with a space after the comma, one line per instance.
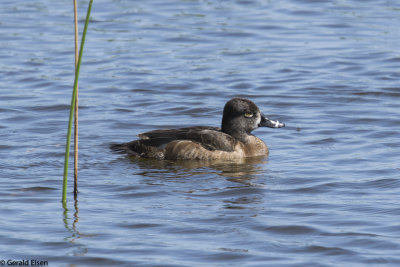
[118, 147]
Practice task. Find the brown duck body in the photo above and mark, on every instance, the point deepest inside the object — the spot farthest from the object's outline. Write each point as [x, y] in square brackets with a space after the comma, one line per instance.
[233, 141]
[201, 143]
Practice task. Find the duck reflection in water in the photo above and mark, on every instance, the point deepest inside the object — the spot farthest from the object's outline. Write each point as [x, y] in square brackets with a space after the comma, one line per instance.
[244, 171]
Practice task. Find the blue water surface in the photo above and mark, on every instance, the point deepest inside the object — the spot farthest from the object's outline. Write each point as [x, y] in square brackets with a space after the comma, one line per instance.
[327, 195]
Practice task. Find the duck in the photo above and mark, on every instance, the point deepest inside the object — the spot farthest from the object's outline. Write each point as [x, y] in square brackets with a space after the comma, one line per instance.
[230, 142]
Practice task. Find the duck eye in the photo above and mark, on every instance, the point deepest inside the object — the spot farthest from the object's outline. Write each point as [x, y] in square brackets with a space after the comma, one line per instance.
[248, 115]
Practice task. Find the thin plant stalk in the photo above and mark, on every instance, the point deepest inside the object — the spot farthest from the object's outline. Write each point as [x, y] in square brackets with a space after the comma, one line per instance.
[73, 100]
[76, 104]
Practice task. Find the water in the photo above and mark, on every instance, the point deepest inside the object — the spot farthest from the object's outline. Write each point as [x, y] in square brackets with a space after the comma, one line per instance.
[328, 194]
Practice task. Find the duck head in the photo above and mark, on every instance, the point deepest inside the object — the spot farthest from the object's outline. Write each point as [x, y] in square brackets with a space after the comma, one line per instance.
[241, 116]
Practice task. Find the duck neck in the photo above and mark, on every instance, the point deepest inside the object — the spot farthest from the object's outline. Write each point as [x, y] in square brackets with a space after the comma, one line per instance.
[239, 135]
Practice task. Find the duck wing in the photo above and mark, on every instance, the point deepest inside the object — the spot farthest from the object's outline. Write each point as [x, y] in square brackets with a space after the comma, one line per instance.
[210, 138]
[151, 144]
[174, 134]
[213, 139]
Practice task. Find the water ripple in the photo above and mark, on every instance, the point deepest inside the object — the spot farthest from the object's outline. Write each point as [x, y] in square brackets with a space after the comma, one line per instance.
[327, 195]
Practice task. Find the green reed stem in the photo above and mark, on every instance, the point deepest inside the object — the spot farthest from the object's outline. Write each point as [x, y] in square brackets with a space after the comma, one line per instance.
[73, 99]
[76, 103]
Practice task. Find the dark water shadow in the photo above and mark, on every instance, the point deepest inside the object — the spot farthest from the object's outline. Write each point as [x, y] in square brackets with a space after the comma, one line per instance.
[236, 171]
[197, 179]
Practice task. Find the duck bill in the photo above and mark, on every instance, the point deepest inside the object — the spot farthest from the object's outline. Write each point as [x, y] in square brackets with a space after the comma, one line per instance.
[265, 122]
